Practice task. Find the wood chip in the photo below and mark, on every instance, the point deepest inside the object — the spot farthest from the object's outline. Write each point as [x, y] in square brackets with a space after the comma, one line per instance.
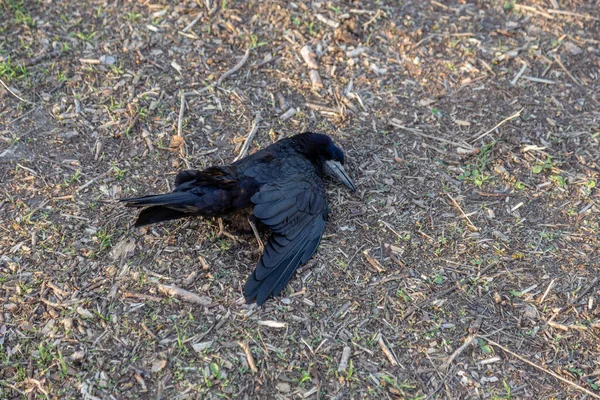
[184, 295]
[200, 347]
[309, 56]
[344, 360]
[387, 351]
[288, 114]
[373, 261]
[273, 324]
[315, 79]
[249, 358]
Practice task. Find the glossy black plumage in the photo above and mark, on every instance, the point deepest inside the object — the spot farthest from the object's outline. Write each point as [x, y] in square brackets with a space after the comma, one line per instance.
[281, 185]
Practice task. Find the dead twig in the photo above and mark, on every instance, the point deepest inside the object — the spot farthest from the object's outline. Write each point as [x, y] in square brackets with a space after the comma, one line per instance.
[465, 216]
[397, 124]
[540, 368]
[458, 351]
[386, 351]
[550, 285]
[185, 295]
[533, 10]
[373, 262]
[191, 24]
[518, 75]
[505, 120]
[180, 120]
[586, 290]
[572, 14]
[249, 358]
[14, 94]
[235, 68]
[248, 141]
[562, 66]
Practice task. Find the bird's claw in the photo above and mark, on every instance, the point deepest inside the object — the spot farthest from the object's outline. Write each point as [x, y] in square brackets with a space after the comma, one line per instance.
[223, 232]
[261, 246]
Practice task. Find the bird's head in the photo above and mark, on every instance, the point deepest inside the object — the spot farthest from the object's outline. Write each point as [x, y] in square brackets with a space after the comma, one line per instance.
[320, 148]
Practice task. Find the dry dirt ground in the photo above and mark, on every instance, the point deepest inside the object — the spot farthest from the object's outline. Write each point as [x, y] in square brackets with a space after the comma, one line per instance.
[466, 265]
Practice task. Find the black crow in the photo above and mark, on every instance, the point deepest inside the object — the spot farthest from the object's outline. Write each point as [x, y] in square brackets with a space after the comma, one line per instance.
[280, 186]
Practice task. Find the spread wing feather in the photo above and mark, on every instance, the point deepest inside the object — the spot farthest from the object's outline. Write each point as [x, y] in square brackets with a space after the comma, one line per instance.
[294, 206]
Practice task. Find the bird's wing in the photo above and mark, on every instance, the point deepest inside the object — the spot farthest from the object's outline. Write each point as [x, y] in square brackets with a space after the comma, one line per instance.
[292, 202]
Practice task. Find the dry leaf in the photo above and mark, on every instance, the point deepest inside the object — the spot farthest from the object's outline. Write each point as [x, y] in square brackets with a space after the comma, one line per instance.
[157, 365]
[425, 102]
[84, 313]
[176, 143]
[199, 347]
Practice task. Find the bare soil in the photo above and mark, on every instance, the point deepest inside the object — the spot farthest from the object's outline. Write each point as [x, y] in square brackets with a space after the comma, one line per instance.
[466, 265]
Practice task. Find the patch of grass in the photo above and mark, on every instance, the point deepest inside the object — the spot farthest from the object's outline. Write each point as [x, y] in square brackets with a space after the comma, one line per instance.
[255, 42]
[104, 238]
[118, 172]
[85, 36]
[10, 71]
[22, 17]
[132, 16]
[545, 165]
[476, 172]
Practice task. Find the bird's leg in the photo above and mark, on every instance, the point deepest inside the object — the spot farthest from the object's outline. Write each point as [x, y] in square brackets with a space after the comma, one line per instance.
[223, 232]
[261, 246]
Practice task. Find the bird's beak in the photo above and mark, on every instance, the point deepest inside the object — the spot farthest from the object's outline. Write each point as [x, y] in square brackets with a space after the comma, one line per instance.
[334, 168]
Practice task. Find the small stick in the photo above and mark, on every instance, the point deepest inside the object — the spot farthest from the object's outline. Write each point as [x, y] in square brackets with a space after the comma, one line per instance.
[586, 290]
[14, 94]
[387, 351]
[521, 71]
[142, 296]
[182, 111]
[533, 10]
[88, 183]
[248, 141]
[397, 124]
[244, 346]
[149, 332]
[562, 66]
[344, 360]
[539, 80]
[505, 120]
[463, 213]
[184, 295]
[560, 378]
[374, 263]
[266, 61]
[369, 22]
[458, 351]
[191, 25]
[550, 285]
[572, 14]
[146, 136]
[235, 68]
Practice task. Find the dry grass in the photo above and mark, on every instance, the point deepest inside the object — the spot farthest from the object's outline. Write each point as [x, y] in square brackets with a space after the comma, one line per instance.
[461, 238]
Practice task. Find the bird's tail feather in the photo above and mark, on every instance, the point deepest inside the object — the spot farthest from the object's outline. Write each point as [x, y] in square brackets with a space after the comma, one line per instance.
[159, 199]
[154, 214]
[163, 207]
